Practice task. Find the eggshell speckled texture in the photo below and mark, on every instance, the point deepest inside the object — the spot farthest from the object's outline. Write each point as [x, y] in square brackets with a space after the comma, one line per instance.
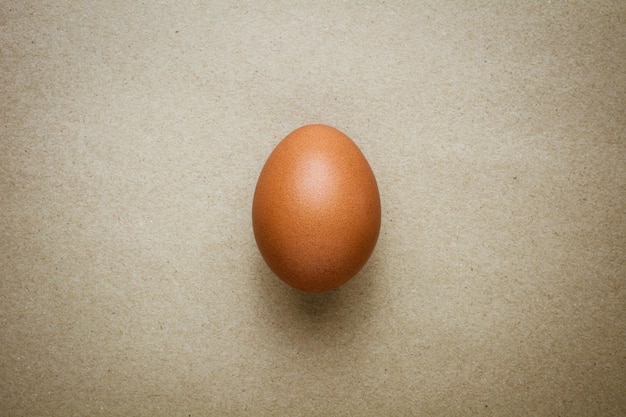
[316, 209]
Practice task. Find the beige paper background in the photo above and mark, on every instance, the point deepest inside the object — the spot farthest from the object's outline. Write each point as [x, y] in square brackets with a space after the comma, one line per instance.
[131, 136]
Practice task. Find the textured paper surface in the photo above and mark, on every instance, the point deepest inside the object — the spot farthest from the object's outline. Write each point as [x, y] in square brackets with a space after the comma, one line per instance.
[131, 137]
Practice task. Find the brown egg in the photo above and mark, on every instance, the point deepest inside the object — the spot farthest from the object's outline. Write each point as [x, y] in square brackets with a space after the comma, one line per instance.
[316, 209]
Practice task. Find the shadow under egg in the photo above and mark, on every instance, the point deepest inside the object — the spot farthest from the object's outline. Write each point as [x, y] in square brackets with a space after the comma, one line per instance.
[346, 305]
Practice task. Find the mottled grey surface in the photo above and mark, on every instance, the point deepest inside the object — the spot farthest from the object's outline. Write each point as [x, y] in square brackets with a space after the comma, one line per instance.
[131, 137]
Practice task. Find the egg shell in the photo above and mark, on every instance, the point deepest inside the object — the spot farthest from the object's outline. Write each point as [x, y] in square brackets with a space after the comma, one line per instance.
[316, 211]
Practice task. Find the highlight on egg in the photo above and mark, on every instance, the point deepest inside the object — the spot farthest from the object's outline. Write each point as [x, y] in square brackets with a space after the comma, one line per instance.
[316, 210]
